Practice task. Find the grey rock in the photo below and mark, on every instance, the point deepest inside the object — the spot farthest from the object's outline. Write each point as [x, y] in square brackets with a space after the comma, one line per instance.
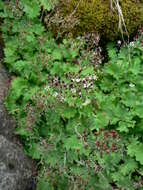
[7, 123]
[4, 82]
[15, 167]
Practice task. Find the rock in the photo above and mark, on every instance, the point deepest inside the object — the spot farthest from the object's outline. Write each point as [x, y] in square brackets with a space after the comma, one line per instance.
[4, 83]
[7, 124]
[15, 167]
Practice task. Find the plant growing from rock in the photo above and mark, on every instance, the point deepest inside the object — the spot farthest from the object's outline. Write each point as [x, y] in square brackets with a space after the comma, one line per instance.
[83, 123]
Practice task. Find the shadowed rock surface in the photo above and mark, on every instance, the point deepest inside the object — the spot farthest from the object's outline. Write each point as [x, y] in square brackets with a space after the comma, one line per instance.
[16, 169]
[7, 124]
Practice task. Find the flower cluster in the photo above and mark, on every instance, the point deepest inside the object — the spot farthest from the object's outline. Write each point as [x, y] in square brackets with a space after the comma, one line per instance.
[74, 87]
[107, 141]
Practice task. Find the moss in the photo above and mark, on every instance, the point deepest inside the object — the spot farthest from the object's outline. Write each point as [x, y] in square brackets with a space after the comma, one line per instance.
[96, 16]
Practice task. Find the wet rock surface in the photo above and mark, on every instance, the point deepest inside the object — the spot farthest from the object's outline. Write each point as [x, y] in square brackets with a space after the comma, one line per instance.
[16, 169]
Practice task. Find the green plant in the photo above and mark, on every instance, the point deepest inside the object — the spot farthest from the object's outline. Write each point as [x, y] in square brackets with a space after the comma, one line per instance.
[83, 124]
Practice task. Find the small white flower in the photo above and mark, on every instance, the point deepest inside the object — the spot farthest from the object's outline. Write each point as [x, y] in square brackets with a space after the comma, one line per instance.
[90, 78]
[88, 101]
[62, 98]
[73, 79]
[85, 85]
[77, 80]
[119, 42]
[73, 90]
[94, 77]
[47, 87]
[55, 94]
[91, 86]
[131, 85]
[131, 44]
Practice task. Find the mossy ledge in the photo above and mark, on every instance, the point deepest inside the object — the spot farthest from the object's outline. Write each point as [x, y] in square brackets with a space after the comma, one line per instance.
[79, 17]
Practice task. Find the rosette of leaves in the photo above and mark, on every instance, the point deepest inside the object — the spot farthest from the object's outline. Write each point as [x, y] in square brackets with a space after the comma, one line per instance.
[30, 8]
